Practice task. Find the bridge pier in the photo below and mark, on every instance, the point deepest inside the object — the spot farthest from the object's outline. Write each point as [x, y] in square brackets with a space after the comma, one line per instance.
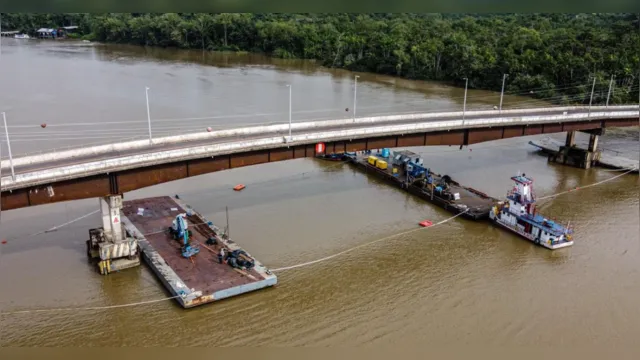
[109, 245]
[570, 154]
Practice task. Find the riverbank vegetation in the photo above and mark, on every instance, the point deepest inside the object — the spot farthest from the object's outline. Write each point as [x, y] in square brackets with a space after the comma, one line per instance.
[554, 56]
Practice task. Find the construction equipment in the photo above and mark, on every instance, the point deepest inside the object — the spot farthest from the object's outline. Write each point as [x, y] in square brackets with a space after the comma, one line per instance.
[239, 259]
[179, 231]
[415, 170]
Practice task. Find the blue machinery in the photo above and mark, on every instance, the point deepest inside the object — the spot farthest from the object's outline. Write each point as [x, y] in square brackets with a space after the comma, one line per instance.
[413, 167]
[179, 230]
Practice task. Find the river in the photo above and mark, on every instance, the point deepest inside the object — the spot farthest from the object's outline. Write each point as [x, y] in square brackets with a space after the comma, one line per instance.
[462, 282]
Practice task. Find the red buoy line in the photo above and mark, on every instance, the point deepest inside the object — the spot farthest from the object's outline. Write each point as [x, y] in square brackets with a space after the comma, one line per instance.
[291, 267]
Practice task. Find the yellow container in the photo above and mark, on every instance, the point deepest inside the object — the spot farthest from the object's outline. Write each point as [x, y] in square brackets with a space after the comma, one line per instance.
[381, 164]
[372, 160]
[395, 170]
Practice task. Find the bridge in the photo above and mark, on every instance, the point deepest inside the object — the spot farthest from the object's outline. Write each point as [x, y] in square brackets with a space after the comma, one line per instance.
[106, 170]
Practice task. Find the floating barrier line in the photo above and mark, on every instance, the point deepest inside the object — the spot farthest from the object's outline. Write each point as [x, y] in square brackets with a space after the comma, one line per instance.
[55, 228]
[584, 187]
[363, 245]
[282, 268]
[88, 308]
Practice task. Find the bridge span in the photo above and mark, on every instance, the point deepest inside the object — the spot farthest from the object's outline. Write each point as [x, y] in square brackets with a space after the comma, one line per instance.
[101, 171]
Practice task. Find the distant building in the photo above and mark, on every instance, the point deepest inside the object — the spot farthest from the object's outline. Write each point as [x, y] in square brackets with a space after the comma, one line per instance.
[61, 32]
[9, 33]
[45, 33]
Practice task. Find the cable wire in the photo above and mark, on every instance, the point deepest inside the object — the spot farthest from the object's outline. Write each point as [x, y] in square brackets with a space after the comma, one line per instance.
[290, 267]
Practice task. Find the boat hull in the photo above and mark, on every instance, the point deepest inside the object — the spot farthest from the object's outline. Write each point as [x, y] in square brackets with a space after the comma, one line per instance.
[530, 238]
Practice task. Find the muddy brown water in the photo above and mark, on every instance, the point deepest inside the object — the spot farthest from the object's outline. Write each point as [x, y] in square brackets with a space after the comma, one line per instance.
[463, 281]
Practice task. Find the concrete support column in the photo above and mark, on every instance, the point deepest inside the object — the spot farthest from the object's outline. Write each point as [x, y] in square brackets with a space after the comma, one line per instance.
[571, 139]
[110, 207]
[593, 142]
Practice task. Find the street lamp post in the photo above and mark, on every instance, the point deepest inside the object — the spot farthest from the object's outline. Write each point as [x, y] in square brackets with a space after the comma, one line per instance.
[593, 87]
[6, 131]
[464, 105]
[0, 181]
[289, 86]
[609, 93]
[355, 93]
[504, 78]
[146, 91]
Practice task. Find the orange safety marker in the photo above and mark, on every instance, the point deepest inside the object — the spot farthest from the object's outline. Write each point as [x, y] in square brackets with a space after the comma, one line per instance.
[239, 187]
[426, 223]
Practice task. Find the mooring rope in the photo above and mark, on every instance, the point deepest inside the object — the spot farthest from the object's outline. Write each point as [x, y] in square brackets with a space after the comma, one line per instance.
[274, 270]
[89, 308]
[286, 267]
[584, 187]
[365, 244]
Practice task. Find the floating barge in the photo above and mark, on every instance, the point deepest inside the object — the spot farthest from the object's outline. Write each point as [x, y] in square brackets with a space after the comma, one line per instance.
[404, 170]
[199, 279]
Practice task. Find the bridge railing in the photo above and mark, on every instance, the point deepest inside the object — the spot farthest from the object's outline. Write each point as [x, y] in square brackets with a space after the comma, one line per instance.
[153, 158]
[281, 128]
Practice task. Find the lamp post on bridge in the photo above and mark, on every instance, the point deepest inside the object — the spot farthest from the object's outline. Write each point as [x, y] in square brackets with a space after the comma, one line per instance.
[504, 78]
[609, 93]
[146, 91]
[464, 104]
[289, 86]
[6, 131]
[593, 87]
[355, 93]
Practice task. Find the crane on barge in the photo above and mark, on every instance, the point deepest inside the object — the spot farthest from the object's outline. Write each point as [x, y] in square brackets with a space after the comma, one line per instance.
[178, 230]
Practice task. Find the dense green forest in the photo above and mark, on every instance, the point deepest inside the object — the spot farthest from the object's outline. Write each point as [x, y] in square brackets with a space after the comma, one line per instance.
[551, 56]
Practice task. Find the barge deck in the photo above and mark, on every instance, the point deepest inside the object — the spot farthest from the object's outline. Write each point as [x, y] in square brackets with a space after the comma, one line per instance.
[197, 280]
[477, 204]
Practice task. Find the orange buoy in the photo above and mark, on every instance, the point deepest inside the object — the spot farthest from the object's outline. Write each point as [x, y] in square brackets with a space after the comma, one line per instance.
[426, 223]
[239, 187]
[209, 129]
[43, 125]
[4, 241]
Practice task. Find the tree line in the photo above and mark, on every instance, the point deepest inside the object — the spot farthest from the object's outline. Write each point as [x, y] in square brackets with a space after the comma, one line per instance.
[549, 56]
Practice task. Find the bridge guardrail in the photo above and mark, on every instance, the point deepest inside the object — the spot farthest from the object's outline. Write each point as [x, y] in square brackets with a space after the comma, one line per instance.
[275, 129]
[148, 159]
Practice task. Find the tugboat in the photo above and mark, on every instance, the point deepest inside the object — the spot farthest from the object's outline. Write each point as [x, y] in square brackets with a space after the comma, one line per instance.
[520, 216]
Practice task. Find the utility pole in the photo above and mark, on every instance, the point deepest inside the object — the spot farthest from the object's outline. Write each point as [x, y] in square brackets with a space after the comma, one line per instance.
[289, 86]
[609, 93]
[6, 131]
[593, 87]
[355, 93]
[148, 114]
[0, 182]
[226, 209]
[464, 105]
[504, 78]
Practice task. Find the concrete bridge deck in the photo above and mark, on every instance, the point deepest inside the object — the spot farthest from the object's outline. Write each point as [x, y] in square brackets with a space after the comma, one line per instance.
[118, 168]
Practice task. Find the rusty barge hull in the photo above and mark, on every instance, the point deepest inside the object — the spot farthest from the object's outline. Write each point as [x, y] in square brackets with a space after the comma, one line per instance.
[477, 204]
[195, 281]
